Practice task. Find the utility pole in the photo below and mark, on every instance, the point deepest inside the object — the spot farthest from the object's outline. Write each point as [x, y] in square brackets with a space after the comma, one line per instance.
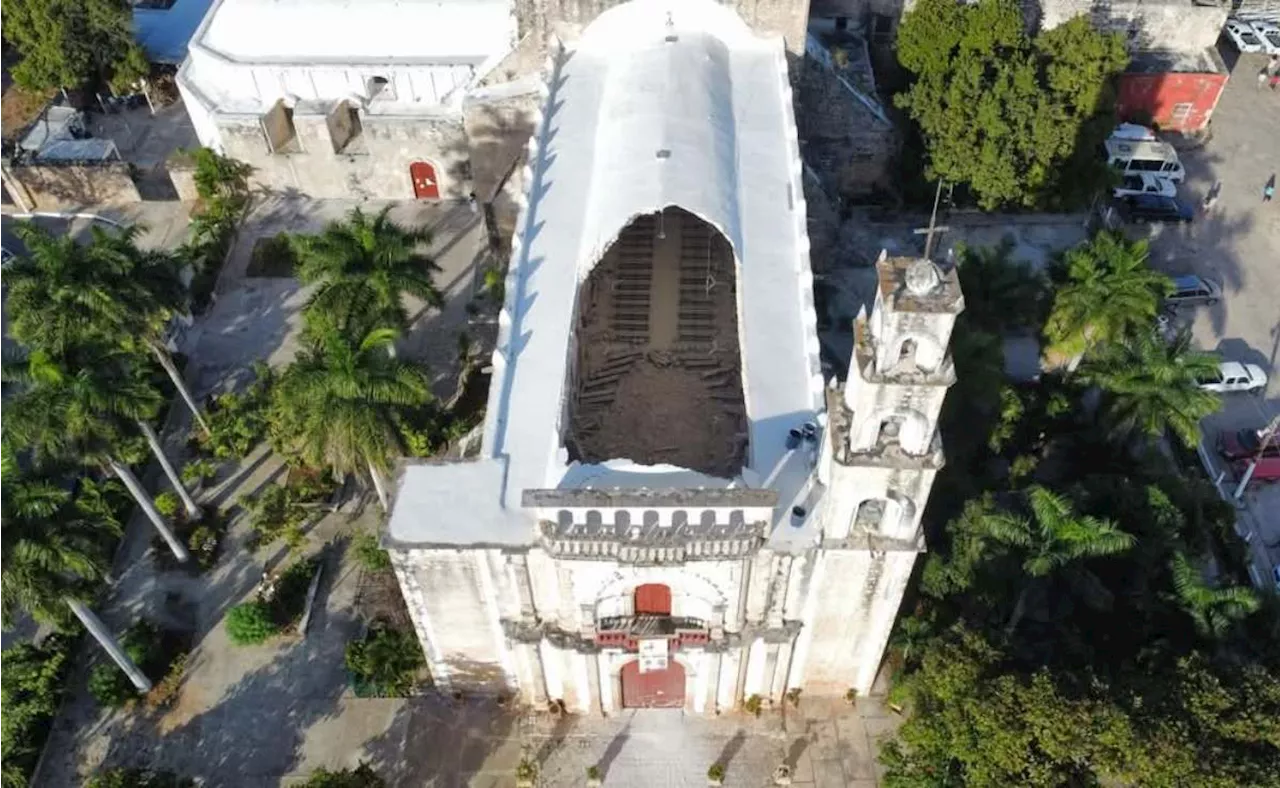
[933, 228]
[1265, 438]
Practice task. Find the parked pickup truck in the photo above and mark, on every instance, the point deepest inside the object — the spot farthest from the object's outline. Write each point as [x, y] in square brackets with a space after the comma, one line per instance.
[1233, 376]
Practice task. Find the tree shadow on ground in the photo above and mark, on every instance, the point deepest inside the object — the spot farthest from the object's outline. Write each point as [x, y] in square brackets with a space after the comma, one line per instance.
[436, 741]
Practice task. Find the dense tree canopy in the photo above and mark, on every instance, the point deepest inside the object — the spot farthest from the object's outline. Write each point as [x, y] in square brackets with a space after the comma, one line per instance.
[1004, 113]
[70, 43]
[1084, 615]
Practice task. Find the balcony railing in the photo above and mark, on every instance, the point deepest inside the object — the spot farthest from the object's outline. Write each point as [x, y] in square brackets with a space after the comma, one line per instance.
[625, 632]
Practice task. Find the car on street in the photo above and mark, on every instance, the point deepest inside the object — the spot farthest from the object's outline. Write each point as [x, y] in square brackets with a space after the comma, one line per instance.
[1246, 444]
[1267, 470]
[1136, 183]
[1269, 33]
[1234, 377]
[1191, 289]
[1154, 208]
[1243, 36]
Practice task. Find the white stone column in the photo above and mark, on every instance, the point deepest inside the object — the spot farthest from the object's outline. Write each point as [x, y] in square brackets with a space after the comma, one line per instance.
[605, 665]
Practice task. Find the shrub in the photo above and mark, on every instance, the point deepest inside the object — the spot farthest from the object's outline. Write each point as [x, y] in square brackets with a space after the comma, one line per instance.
[369, 554]
[753, 705]
[167, 504]
[716, 772]
[237, 423]
[31, 687]
[199, 471]
[309, 485]
[203, 544]
[527, 769]
[250, 623]
[108, 684]
[137, 778]
[276, 513]
[385, 662]
[363, 776]
[593, 772]
[164, 693]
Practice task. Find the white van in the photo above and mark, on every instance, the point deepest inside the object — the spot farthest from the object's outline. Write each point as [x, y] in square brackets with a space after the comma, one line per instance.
[1137, 156]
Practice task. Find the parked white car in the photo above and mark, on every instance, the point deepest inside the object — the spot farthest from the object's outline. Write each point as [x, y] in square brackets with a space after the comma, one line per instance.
[1136, 183]
[1234, 376]
[1243, 36]
[1269, 34]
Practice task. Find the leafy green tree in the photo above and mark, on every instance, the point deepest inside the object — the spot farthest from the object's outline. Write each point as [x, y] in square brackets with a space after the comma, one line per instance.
[64, 293]
[1109, 294]
[998, 111]
[1152, 386]
[336, 406]
[32, 682]
[972, 725]
[1214, 610]
[1053, 538]
[73, 43]
[362, 267]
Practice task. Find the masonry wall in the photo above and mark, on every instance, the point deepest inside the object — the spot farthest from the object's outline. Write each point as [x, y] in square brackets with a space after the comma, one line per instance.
[46, 187]
[498, 122]
[848, 639]
[1174, 25]
[380, 171]
[453, 598]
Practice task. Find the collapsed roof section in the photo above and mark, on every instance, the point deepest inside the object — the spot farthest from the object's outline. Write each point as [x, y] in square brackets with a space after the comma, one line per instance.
[660, 104]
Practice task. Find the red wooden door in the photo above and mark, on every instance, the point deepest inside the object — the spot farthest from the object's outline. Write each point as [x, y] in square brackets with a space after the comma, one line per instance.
[425, 185]
[654, 689]
[653, 599]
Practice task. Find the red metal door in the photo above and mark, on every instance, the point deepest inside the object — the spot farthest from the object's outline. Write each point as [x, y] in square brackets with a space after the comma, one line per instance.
[425, 185]
[653, 599]
[655, 689]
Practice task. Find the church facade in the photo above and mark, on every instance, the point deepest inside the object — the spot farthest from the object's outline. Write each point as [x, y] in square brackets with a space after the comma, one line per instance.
[670, 506]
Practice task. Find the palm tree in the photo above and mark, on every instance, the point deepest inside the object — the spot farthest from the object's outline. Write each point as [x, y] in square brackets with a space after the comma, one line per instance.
[85, 413]
[362, 267]
[1153, 386]
[339, 399]
[1213, 610]
[1053, 538]
[1109, 295]
[64, 293]
[1000, 294]
[54, 556]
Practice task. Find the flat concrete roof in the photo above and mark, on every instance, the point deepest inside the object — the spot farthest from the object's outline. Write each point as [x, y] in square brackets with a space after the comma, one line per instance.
[359, 31]
[661, 103]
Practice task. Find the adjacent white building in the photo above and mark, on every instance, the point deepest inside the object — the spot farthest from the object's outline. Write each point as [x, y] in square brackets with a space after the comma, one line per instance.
[669, 507]
[334, 98]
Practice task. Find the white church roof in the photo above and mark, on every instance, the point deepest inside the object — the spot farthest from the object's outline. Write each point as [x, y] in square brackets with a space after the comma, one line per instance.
[360, 31]
[661, 103]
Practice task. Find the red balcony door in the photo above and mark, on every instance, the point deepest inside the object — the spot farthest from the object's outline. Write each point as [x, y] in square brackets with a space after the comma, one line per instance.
[653, 599]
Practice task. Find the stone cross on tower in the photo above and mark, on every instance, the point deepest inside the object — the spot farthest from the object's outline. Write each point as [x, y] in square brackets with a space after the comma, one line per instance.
[933, 228]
